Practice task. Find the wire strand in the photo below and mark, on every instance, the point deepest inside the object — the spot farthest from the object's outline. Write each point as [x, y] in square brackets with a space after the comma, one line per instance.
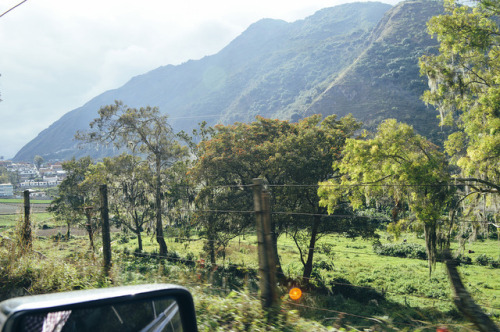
[11, 9]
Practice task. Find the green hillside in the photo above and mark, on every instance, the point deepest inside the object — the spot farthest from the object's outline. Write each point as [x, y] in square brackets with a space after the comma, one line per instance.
[358, 58]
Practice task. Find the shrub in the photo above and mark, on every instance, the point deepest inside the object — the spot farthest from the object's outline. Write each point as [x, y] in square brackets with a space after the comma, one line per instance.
[483, 260]
[324, 265]
[495, 263]
[464, 259]
[405, 250]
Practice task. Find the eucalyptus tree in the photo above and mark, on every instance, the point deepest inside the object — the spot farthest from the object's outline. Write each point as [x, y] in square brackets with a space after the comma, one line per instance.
[144, 131]
[38, 160]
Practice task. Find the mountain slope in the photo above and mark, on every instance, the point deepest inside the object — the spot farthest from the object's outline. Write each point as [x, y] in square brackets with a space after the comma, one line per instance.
[322, 64]
[384, 82]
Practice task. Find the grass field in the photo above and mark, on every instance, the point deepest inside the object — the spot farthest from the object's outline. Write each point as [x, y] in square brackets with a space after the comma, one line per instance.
[348, 278]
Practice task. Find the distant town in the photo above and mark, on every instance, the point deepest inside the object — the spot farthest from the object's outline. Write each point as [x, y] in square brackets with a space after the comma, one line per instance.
[38, 178]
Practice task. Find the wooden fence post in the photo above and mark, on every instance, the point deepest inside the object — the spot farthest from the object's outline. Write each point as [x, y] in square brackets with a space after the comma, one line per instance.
[106, 238]
[26, 236]
[267, 264]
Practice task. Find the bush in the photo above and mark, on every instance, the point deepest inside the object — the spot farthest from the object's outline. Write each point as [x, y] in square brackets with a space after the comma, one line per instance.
[405, 250]
[495, 264]
[483, 260]
[464, 259]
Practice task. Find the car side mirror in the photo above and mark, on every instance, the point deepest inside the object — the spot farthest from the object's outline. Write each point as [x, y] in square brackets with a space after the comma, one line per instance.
[155, 307]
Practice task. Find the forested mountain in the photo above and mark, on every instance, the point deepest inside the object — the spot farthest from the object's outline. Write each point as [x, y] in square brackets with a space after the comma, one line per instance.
[358, 58]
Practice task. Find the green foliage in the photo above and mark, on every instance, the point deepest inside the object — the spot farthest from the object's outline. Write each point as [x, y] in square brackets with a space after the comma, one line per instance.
[77, 193]
[38, 160]
[147, 132]
[291, 157]
[131, 200]
[238, 311]
[485, 260]
[399, 165]
[407, 250]
[463, 80]
[34, 273]
[4, 175]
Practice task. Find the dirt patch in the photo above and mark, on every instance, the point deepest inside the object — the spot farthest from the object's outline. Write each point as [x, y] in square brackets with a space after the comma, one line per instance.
[11, 208]
[76, 231]
[55, 230]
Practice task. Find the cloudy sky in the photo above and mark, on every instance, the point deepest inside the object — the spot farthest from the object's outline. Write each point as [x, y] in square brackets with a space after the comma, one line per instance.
[55, 55]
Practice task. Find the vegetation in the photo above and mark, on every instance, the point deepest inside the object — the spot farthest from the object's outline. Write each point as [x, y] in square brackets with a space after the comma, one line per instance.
[332, 187]
[396, 165]
[285, 155]
[396, 292]
[144, 131]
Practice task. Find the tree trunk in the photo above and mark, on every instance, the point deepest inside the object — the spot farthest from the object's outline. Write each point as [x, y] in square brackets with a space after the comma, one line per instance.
[138, 229]
[279, 271]
[91, 236]
[106, 236]
[88, 226]
[68, 231]
[211, 247]
[159, 225]
[430, 243]
[139, 240]
[310, 255]
[464, 301]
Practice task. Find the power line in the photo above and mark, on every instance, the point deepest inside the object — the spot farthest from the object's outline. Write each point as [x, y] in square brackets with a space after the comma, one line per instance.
[11, 9]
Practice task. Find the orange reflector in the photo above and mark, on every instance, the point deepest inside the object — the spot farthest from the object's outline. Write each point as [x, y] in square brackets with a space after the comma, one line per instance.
[295, 293]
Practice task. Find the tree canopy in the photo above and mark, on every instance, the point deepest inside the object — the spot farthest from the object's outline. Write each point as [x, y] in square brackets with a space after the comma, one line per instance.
[292, 157]
[147, 132]
[396, 163]
[465, 87]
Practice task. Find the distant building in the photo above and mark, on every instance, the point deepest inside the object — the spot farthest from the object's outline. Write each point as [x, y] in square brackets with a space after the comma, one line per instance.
[6, 190]
[28, 184]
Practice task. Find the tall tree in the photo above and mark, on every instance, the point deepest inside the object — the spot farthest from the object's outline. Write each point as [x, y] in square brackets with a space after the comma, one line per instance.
[395, 163]
[71, 198]
[292, 157]
[38, 161]
[131, 201]
[145, 131]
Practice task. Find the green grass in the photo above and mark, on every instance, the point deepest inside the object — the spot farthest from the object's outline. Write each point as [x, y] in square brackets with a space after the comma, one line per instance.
[38, 219]
[408, 288]
[410, 298]
[7, 220]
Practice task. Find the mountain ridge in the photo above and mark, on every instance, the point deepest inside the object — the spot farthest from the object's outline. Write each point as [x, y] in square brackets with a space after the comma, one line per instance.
[274, 69]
